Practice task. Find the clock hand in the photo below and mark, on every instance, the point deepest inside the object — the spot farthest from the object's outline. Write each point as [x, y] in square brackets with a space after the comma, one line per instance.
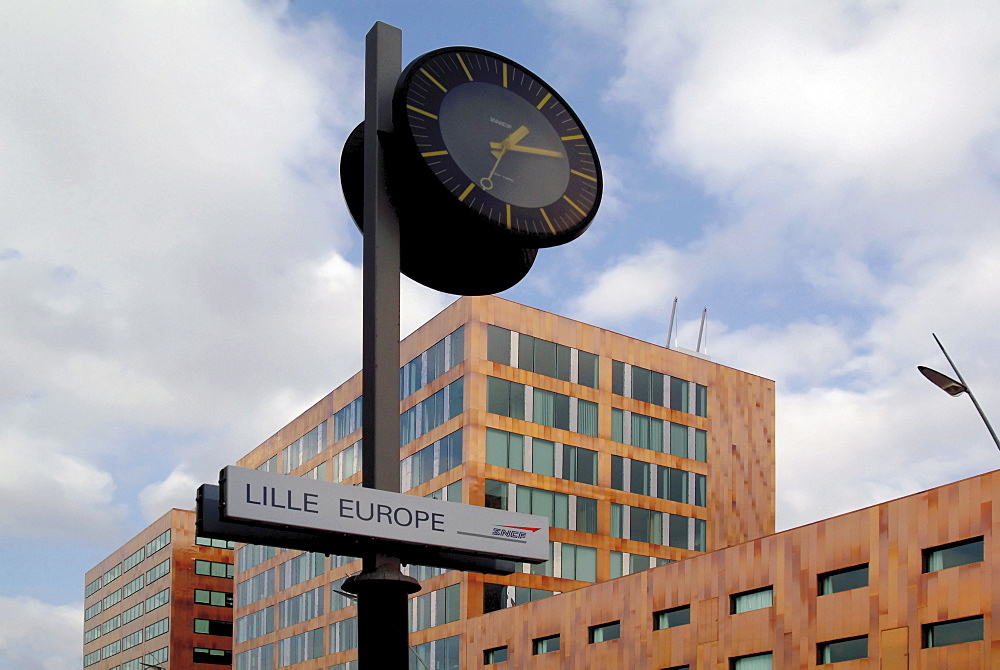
[528, 150]
[487, 182]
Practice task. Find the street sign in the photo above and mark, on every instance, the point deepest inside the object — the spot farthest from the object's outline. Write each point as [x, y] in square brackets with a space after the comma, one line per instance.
[208, 524]
[307, 504]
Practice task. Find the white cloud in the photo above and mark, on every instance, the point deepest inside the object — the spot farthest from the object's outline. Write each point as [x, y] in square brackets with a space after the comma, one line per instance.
[47, 494]
[38, 636]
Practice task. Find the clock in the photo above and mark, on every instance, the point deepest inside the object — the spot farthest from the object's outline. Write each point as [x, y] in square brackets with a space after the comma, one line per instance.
[488, 150]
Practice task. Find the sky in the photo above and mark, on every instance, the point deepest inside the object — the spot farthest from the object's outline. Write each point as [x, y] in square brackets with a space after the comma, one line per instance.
[179, 276]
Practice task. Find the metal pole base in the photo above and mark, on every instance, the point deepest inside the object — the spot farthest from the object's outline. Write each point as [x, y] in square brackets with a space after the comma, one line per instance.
[383, 616]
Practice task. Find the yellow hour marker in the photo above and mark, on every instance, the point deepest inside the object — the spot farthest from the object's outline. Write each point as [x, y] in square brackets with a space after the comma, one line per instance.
[429, 154]
[462, 63]
[436, 82]
[508, 216]
[420, 111]
[547, 222]
[545, 100]
[568, 138]
[577, 173]
[467, 191]
[575, 206]
[505, 75]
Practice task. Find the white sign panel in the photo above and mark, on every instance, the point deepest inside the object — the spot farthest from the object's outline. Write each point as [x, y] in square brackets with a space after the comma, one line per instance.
[254, 495]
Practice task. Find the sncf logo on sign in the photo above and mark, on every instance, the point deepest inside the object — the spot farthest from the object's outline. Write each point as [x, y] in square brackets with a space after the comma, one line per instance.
[513, 532]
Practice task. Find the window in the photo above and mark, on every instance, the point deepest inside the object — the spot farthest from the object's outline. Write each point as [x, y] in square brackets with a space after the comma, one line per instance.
[433, 363]
[157, 571]
[579, 465]
[301, 568]
[212, 542]
[435, 655]
[157, 600]
[161, 627]
[605, 632]
[953, 555]
[303, 449]
[302, 647]
[550, 409]
[496, 494]
[259, 586]
[158, 542]
[258, 658]
[431, 412]
[579, 563]
[679, 395]
[347, 462]
[213, 569]
[848, 649]
[843, 580]
[435, 608]
[251, 555]
[498, 345]
[545, 645]
[752, 600]
[213, 656]
[213, 627]
[215, 598]
[302, 607]
[254, 625]
[587, 369]
[504, 449]
[586, 417]
[343, 635]
[752, 662]
[554, 506]
[495, 655]
[432, 460]
[955, 631]
[347, 420]
[133, 586]
[671, 618]
[505, 398]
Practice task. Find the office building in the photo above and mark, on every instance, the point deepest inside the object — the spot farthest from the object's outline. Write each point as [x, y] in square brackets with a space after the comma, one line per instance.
[639, 455]
[905, 585]
[164, 598]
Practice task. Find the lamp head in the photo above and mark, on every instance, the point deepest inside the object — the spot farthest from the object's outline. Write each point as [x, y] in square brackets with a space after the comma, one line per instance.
[943, 381]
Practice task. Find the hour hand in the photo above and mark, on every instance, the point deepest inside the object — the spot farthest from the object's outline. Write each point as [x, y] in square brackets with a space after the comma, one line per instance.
[498, 148]
[527, 150]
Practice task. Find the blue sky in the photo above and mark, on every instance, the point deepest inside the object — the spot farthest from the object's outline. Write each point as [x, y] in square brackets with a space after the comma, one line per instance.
[179, 276]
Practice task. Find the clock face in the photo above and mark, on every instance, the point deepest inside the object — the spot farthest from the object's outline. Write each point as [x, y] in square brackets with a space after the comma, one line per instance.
[497, 139]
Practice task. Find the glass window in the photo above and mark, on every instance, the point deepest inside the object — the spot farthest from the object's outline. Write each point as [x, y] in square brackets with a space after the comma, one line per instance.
[505, 398]
[579, 465]
[586, 417]
[550, 409]
[213, 627]
[753, 662]
[701, 400]
[639, 478]
[496, 494]
[212, 656]
[679, 440]
[618, 473]
[617, 425]
[752, 600]
[618, 377]
[498, 345]
[646, 525]
[544, 645]
[579, 563]
[549, 504]
[495, 655]
[587, 370]
[700, 445]
[586, 515]
[679, 399]
[955, 631]
[605, 632]
[843, 580]
[504, 449]
[543, 457]
[953, 555]
[679, 531]
[671, 618]
[848, 649]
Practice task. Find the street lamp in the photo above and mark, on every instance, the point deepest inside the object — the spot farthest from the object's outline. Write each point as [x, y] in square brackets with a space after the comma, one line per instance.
[955, 388]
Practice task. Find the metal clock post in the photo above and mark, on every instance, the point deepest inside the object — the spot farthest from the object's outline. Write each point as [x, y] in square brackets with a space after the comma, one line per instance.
[382, 589]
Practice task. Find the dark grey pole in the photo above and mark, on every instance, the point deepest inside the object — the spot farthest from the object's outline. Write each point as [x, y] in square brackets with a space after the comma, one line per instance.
[383, 624]
[968, 390]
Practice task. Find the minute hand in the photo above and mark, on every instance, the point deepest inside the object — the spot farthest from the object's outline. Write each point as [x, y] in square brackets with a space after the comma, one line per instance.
[527, 150]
